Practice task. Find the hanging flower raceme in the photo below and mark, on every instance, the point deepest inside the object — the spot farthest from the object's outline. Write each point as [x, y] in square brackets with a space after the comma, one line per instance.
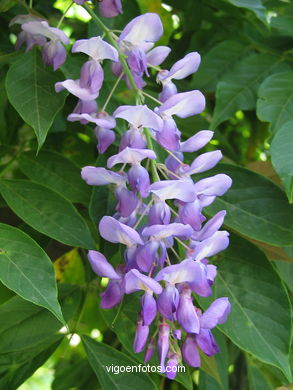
[159, 222]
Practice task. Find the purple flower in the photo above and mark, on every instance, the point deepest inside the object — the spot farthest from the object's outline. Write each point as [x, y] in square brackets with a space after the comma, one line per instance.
[150, 350]
[98, 176]
[112, 294]
[202, 163]
[163, 344]
[168, 301]
[181, 69]
[131, 156]
[171, 366]
[157, 55]
[190, 352]
[135, 281]
[139, 180]
[30, 39]
[186, 314]
[197, 141]
[217, 313]
[213, 186]
[127, 201]
[183, 104]
[161, 232]
[54, 52]
[159, 214]
[139, 116]
[190, 213]
[193, 273]
[218, 242]
[83, 108]
[148, 307]
[96, 48]
[174, 189]
[101, 266]
[117, 232]
[146, 255]
[88, 87]
[141, 336]
[142, 31]
[211, 227]
[110, 8]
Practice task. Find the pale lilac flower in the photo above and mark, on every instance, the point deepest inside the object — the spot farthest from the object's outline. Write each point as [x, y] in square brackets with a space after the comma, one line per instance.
[218, 242]
[181, 69]
[216, 314]
[54, 52]
[141, 336]
[136, 39]
[163, 344]
[101, 266]
[110, 8]
[197, 141]
[131, 156]
[174, 189]
[96, 48]
[117, 232]
[171, 366]
[135, 281]
[150, 350]
[98, 176]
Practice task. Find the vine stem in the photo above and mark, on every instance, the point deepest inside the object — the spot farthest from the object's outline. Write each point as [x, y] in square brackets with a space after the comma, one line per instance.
[122, 59]
[64, 14]
[126, 70]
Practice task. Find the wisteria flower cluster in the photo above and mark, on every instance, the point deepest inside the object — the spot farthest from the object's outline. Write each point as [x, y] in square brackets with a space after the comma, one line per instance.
[155, 213]
[159, 206]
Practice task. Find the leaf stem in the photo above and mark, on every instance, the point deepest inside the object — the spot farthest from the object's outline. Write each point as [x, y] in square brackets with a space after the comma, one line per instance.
[112, 91]
[151, 97]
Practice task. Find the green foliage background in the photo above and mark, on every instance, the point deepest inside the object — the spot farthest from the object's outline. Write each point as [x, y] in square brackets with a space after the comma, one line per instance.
[48, 215]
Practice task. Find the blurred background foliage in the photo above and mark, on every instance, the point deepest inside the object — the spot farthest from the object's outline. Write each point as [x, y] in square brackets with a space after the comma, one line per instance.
[246, 75]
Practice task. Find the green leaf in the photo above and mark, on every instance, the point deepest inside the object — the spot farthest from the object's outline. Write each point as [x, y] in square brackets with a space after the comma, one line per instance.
[7, 4]
[260, 321]
[47, 211]
[252, 5]
[283, 24]
[28, 332]
[256, 207]
[101, 356]
[30, 89]
[216, 63]
[275, 103]
[257, 380]
[282, 156]
[285, 270]
[77, 375]
[27, 270]
[19, 372]
[238, 89]
[69, 268]
[56, 172]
